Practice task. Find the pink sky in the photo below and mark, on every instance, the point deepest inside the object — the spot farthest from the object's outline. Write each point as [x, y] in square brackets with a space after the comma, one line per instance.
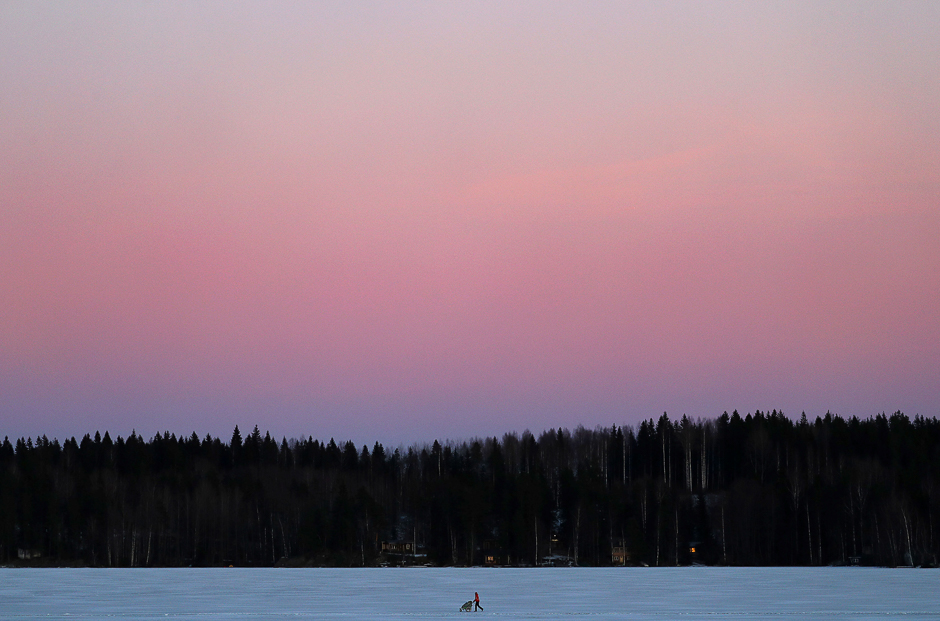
[405, 221]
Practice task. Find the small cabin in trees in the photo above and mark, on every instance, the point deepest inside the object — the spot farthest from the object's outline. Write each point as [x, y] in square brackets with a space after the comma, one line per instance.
[398, 547]
[493, 554]
[619, 555]
[398, 551]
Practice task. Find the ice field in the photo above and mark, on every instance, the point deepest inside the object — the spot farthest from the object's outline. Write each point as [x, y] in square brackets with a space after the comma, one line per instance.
[689, 593]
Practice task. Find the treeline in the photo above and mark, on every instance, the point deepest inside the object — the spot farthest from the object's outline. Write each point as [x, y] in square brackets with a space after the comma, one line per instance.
[755, 490]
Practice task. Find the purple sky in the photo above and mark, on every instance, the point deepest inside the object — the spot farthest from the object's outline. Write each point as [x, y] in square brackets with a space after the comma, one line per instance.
[406, 221]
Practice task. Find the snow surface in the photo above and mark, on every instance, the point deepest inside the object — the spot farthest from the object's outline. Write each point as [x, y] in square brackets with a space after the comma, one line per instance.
[688, 593]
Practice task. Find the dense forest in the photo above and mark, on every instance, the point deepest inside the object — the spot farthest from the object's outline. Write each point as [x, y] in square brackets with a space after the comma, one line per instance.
[755, 490]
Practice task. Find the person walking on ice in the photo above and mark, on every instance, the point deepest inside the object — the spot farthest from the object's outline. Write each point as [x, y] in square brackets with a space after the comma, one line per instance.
[476, 602]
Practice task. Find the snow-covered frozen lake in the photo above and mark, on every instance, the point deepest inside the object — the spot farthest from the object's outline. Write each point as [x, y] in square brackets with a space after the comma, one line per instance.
[423, 593]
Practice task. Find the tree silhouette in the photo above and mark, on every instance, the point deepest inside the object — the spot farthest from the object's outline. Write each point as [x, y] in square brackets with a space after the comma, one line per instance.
[755, 490]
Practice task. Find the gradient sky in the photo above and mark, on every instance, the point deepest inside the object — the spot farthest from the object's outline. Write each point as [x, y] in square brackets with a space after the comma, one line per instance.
[404, 221]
